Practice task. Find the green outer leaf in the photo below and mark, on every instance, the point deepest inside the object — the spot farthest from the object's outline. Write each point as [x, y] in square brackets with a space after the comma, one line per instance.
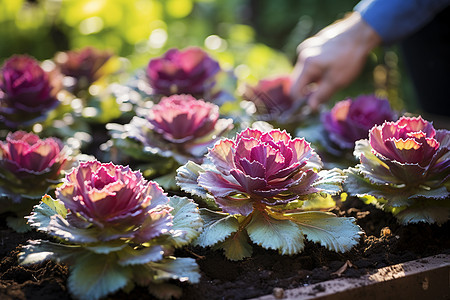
[41, 214]
[217, 227]
[60, 228]
[129, 146]
[95, 276]
[330, 181]
[187, 176]
[425, 210]
[187, 222]
[357, 185]
[236, 247]
[39, 250]
[282, 235]
[18, 191]
[180, 268]
[143, 274]
[131, 256]
[337, 234]
[19, 224]
[16, 204]
[167, 181]
[439, 193]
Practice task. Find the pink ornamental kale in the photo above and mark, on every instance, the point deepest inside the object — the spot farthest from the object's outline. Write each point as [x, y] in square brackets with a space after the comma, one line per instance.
[83, 65]
[260, 169]
[27, 92]
[350, 120]
[30, 165]
[115, 228]
[405, 166]
[265, 183]
[272, 100]
[182, 118]
[29, 168]
[189, 71]
[180, 126]
[116, 199]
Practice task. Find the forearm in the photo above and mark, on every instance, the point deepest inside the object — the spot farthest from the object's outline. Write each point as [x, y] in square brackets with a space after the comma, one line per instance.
[394, 20]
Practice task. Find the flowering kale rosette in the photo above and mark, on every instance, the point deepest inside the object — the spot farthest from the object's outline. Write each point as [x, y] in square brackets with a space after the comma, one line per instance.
[180, 127]
[30, 165]
[405, 167]
[189, 71]
[29, 168]
[272, 100]
[265, 185]
[115, 229]
[84, 65]
[350, 120]
[27, 92]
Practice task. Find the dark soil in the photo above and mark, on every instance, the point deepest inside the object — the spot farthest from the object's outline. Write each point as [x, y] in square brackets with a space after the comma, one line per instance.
[385, 243]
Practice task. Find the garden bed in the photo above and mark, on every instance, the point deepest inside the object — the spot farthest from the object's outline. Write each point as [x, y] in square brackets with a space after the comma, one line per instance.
[425, 278]
[384, 243]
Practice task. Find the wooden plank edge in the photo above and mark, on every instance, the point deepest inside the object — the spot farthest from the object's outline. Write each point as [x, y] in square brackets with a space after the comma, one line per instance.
[425, 278]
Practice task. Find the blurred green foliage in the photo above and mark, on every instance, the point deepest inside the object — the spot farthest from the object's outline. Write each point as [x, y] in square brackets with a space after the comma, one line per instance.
[255, 38]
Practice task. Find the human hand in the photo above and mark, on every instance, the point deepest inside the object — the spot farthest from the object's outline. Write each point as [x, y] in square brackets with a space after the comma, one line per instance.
[332, 59]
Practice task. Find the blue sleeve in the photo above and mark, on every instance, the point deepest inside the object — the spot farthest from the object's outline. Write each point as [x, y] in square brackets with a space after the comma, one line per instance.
[394, 20]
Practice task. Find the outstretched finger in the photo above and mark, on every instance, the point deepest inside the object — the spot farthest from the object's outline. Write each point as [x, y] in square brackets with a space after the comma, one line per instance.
[303, 75]
[323, 93]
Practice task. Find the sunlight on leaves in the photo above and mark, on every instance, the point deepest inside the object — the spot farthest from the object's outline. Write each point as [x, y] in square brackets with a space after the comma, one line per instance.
[217, 227]
[95, 276]
[281, 235]
[187, 222]
[337, 234]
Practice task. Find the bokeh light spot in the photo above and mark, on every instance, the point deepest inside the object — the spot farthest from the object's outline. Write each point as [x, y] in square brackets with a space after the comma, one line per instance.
[91, 25]
[179, 8]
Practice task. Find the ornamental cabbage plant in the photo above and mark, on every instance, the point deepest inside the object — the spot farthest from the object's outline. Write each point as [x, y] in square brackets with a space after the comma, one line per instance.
[351, 119]
[88, 73]
[83, 66]
[29, 168]
[273, 102]
[404, 168]
[189, 71]
[27, 92]
[114, 229]
[179, 127]
[267, 188]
